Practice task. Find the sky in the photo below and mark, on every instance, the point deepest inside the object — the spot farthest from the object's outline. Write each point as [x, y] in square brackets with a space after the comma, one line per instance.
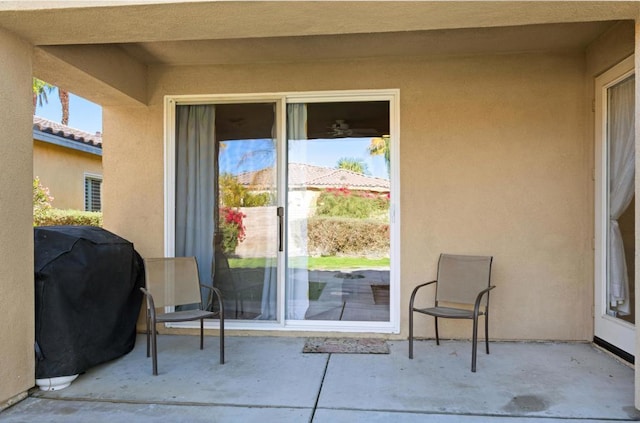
[83, 114]
[248, 155]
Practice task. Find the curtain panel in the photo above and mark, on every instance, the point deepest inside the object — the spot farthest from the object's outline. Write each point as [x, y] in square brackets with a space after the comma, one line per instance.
[621, 100]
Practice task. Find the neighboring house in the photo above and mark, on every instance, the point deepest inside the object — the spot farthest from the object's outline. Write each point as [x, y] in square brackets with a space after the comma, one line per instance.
[500, 117]
[69, 163]
[306, 182]
[309, 177]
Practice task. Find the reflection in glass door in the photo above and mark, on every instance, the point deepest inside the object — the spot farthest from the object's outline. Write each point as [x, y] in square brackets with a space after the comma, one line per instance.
[229, 150]
[285, 203]
[338, 187]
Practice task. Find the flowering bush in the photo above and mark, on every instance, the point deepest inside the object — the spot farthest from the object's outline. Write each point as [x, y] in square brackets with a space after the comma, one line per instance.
[342, 202]
[232, 227]
[41, 198]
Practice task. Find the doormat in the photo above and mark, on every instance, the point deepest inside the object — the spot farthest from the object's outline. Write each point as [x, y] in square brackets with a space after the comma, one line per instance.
[346, 346]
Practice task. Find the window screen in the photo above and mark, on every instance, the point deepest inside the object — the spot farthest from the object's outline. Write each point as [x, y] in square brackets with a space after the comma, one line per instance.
[92, 195]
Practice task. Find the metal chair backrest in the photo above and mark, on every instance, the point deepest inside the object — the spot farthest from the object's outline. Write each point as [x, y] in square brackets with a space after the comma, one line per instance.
[461, 278]
[173, 281]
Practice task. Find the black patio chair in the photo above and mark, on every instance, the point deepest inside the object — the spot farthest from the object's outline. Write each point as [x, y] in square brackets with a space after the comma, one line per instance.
[462, 281]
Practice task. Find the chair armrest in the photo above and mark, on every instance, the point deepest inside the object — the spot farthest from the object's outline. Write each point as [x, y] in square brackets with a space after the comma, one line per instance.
[415, 291]
[151, 308]
[149, 298]
[476, 307]
[213, 290]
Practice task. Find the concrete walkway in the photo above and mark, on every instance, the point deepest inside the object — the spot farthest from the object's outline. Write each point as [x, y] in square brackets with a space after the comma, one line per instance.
[269, 379]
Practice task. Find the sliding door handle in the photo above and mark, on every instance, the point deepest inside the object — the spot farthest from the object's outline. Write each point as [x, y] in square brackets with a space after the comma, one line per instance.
[280, 212]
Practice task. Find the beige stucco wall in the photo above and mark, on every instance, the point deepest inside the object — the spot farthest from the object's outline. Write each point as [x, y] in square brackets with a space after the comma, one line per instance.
[62, 170]
[493, 160]
[16, 235]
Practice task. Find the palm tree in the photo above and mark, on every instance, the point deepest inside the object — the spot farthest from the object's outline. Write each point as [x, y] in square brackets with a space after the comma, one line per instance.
[353, 164]
[64, 102]
[40, 89]
[380, 146]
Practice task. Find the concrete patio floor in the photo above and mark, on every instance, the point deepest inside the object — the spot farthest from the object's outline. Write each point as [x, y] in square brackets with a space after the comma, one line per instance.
[269, 379]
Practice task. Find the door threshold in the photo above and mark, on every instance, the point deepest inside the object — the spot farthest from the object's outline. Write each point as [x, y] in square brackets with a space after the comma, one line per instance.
[629, 358]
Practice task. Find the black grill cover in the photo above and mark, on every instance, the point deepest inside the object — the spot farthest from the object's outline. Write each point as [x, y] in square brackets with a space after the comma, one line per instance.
[87, 286]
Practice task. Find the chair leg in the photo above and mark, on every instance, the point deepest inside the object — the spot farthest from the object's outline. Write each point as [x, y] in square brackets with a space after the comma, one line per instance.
[201, 334]
[474, 344]
[437, 336]
[486, 330]
[221, 336]
[154, 348]
[410, 333]
[148, 332]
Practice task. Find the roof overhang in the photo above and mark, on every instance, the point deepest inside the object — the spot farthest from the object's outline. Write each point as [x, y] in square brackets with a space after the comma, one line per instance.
[107, 22]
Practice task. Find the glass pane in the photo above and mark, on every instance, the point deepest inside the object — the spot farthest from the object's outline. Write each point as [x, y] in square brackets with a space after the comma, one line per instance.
[338, 211]
[621, 175]
[246, 241]
[225, 202]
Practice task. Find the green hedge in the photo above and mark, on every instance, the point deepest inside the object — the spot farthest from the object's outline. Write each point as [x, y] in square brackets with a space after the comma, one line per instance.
[56, 217]
[330, 236]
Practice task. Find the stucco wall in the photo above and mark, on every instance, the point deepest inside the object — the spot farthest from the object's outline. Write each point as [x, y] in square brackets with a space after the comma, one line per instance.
[17, 368]
[62, 170]
[493, 160]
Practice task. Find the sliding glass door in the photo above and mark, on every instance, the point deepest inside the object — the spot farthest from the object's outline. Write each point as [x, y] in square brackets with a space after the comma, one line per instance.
[225, 202]
[614, 317]
[338, 190]
[286, 203]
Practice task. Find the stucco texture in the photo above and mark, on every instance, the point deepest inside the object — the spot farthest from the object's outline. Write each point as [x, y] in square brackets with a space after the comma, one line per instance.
[493, 160]
[16, 235]
[63, 170]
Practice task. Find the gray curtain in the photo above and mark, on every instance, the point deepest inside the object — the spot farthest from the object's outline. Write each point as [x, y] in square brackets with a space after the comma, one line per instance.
[196, 185]
[269, 304]
[297, 285]
[621, 186]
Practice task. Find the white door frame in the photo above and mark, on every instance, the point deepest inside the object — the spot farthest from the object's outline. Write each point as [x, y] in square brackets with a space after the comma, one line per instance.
[613, 330]
[282, 98]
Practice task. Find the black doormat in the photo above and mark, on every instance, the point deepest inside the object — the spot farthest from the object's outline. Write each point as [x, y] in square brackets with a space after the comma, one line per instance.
[346, 346]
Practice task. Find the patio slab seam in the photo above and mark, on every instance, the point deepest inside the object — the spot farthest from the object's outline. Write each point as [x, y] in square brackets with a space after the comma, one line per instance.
[167, 402]
[324, 375]
[476, 414]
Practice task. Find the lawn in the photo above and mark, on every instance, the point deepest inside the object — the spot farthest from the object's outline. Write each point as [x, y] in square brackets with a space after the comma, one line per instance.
[316, 263]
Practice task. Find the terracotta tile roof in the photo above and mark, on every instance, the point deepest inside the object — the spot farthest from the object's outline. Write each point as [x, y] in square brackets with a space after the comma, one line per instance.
[303, 175]
[67, 132]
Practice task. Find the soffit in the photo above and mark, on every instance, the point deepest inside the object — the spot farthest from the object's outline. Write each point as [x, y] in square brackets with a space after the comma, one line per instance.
[107, 22]
[550, 37]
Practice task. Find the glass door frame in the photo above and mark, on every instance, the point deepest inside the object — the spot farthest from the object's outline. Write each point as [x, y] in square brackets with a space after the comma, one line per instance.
[281, 100]
[615, 331]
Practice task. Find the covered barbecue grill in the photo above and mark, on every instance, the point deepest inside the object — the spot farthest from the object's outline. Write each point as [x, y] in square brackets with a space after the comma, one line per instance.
[88, 299]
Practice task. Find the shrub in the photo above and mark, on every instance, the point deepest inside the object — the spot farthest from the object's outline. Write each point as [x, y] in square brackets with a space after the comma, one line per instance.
[57, 217]
[41, 198]
[232, 227]
[260, 199]
[45, 215]
[329, 236]
[234, 194]
[342, 202]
